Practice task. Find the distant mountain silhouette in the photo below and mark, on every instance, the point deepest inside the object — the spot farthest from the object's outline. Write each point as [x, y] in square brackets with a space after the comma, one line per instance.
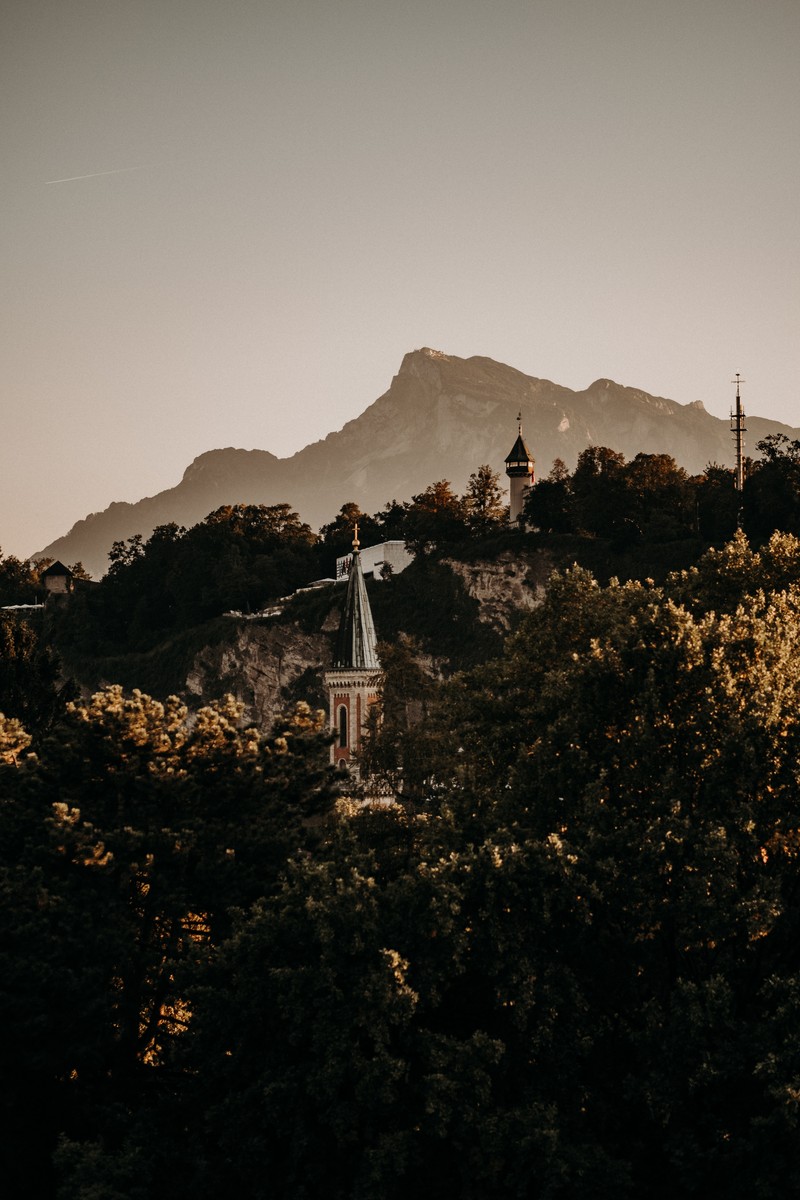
[440, 419]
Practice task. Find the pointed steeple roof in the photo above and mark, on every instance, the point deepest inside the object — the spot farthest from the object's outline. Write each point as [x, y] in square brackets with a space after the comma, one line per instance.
[519, 451]
[355, 645]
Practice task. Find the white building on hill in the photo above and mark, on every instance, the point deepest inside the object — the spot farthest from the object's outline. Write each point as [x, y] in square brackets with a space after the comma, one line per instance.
[373, 559]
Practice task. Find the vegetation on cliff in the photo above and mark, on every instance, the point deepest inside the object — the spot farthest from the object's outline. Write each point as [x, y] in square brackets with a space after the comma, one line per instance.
[569, 967]
[564, 964]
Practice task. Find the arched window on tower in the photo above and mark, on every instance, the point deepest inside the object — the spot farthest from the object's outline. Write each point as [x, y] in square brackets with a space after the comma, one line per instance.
[342, 725]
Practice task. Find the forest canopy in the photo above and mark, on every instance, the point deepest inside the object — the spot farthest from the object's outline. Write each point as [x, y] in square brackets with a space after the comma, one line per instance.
[568, 967]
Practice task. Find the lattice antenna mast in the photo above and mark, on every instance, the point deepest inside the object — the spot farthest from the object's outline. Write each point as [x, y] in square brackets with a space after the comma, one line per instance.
[738, 430]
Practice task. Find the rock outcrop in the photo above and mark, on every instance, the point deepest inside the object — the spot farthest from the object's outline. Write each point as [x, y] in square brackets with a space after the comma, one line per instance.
[266, 666]
[510, 584]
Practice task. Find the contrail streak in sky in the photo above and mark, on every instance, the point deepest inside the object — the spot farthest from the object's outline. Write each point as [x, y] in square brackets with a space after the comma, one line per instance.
[96, 174]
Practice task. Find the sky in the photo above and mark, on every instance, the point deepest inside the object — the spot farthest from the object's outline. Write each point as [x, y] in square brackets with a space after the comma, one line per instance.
[225, 223]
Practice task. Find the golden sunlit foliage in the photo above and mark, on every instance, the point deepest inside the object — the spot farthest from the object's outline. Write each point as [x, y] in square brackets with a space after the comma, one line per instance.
[569, 968]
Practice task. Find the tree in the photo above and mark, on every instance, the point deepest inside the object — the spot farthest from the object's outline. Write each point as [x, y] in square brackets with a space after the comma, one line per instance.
[568, 966]
[435, 518]
[483, 500]
[125, 553]
[31, 686]
[717, 503]
[549, 504]
[651, 747]
[126, 844]
[772, 488]
[659, 496]
[337, 535]
[391, 521]
[353, 1039]
[19, 581]
[396, 736]
[737, 574]
[598, 487]
[650, 498]
[240, 557]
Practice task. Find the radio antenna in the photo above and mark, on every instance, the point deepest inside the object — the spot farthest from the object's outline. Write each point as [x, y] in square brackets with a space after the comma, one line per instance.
[738, 430]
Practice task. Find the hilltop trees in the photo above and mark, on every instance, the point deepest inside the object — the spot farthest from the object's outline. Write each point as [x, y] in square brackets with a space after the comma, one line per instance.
[438, 517]
[434, 518]
[716, 503]
[19, 581]
[650, 497]
[486, 508]
[244, 556]
[337, 536]
[241, 556]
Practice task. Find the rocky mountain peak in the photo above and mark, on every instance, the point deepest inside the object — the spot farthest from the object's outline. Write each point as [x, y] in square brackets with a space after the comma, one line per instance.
[441, 418]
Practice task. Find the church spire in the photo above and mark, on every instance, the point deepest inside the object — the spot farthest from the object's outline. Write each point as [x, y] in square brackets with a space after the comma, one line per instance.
[353, 682]
[355, 644]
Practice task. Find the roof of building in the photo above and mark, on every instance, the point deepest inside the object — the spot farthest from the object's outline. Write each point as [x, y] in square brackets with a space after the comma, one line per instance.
[355, 645]
[519, 451]
[56, 568]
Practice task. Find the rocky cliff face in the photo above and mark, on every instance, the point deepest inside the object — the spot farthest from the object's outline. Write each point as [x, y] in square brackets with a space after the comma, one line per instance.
[267, 667]
[511, 584]
[441, 418]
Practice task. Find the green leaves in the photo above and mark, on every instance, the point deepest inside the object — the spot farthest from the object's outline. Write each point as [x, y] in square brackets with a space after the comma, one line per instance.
[570, 968]
[127, 842]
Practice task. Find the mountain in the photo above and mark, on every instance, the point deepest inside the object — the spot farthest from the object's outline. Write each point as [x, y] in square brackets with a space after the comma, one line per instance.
[441, 418]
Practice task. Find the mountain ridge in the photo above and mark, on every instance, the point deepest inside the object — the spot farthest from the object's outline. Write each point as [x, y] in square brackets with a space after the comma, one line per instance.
[441, 417]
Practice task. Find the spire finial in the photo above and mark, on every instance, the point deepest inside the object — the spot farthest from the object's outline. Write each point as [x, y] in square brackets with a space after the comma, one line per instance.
[519, 423]
[356, 542]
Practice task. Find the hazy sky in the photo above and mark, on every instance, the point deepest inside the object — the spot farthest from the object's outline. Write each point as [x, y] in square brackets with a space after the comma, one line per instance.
[579, 188]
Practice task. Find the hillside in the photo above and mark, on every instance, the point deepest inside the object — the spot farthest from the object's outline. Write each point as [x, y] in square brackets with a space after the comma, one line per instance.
[453, 612]
[440, 418]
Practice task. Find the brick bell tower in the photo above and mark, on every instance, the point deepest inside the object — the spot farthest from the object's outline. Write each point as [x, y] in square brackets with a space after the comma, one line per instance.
[353, 680]
[519, 469]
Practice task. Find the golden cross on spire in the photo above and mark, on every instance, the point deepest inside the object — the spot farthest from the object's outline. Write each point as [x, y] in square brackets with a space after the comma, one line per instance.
[356, 542]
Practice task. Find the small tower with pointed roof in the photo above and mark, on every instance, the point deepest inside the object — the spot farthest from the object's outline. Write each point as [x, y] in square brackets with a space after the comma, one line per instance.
[353, 680]
[519, 469]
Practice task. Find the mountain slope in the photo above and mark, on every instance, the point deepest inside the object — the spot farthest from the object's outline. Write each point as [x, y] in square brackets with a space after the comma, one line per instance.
[441, 418]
